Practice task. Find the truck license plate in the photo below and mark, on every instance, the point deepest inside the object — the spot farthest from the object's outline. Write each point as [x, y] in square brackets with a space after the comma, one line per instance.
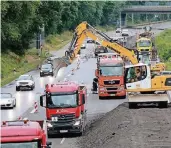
[112, 94]
[63, 131]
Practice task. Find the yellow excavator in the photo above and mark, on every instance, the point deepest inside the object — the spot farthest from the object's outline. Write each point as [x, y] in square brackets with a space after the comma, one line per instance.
[147, 51]
[138, 76]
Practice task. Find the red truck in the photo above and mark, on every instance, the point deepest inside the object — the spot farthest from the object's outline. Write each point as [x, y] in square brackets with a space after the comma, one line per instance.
[65, 104]
[23, 133]
[110, 76]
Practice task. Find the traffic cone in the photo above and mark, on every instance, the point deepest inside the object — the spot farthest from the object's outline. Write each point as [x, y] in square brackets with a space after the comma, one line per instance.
[35, 107]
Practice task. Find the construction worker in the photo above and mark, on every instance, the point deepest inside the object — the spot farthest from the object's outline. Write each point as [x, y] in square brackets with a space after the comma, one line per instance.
[95, 85]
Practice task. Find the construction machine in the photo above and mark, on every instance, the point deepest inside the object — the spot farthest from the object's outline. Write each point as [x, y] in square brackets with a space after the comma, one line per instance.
[146, 48]
[138, 76]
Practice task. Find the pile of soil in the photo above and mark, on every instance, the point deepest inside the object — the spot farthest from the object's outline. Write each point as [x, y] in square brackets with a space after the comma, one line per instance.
[130, 128]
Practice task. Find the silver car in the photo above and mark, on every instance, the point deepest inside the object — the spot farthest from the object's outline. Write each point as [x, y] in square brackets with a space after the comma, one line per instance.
[25, 81]
[7, 100]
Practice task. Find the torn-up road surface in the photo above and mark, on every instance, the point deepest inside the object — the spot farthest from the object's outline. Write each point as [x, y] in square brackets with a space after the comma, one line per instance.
[130, 128]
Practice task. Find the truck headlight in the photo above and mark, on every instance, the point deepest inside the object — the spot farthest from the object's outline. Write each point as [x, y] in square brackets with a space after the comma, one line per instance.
[77, 122]
[102, 89]
[121, 87]
[49, 125]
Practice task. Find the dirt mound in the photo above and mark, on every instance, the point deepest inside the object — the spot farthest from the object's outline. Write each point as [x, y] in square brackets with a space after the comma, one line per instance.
[129, 128]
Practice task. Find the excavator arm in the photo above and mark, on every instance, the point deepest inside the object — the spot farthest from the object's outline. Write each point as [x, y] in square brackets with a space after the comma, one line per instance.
[85, 30]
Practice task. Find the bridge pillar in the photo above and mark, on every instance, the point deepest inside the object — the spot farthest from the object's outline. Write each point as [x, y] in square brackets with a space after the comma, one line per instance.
[123, 19]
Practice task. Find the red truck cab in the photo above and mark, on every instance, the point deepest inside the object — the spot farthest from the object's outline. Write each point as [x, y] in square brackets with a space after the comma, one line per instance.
[65, 104]
[110, 75]
[22, 134]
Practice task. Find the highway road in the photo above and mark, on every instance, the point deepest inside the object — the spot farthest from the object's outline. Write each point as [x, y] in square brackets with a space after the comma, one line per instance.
[96, 107]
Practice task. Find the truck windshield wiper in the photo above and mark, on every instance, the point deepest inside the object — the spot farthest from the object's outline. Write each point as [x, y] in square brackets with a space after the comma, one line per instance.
[68, 105]
[55, 106]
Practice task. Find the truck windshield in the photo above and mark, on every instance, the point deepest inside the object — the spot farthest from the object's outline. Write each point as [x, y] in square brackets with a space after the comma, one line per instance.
[111, 70]
[144, 43]
[21, 145]
[62, 100]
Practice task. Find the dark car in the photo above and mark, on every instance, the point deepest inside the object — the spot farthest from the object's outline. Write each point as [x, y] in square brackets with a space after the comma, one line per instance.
[100, 49]
[46, 70]
[92, 41]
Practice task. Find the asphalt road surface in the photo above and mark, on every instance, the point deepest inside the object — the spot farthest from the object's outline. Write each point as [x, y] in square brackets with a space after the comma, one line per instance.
[96, 107]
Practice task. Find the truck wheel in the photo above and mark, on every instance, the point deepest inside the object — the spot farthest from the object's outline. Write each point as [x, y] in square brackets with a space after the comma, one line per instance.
[132, 105]
[163, 105]
[123, 97]
[49, 135]
[17, 89]
[101, 98]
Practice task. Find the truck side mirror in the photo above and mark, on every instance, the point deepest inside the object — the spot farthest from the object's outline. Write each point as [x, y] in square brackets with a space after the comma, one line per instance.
[42, 101]
[83, 98]
[96, 73]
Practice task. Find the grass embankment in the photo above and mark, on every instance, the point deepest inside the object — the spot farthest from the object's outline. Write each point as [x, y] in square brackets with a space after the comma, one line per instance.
[31, 60]
[22, 64]
[163, 44]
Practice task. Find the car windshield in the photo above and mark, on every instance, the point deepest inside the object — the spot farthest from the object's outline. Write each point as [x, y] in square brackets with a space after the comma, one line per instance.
[47, 66]
[144, 43]
[21, 145]
[62, 100]
[6, 96]
[24, 78]
[111, 70]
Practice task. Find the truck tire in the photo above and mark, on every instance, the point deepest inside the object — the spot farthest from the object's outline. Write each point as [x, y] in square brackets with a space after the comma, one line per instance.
[132, 105]
[101, 98]
[123, 97]
[163, 105]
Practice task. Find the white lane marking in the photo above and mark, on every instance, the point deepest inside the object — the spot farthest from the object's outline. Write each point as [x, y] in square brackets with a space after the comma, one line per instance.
[63, 139]
[32, 111]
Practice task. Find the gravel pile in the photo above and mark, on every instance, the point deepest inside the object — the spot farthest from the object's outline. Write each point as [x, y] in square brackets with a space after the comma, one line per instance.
[125, 128]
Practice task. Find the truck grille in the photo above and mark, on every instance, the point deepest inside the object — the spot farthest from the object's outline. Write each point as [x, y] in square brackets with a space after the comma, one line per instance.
[23, 83]
[144, 49]
[110, 89]
[113, 92]
[111, 82]
[67, 118]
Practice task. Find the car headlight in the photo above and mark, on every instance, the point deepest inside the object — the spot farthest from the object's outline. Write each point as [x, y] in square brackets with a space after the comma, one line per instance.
[10, 101]
[30, 83]
[49, 125]
[50, 70]
[17, 83]
[41, 71]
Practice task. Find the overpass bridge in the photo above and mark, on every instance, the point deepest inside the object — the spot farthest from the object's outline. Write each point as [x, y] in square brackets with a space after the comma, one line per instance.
[144, 10]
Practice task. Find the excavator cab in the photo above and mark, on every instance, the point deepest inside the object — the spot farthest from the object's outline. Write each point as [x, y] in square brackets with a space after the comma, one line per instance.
[138, 76]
